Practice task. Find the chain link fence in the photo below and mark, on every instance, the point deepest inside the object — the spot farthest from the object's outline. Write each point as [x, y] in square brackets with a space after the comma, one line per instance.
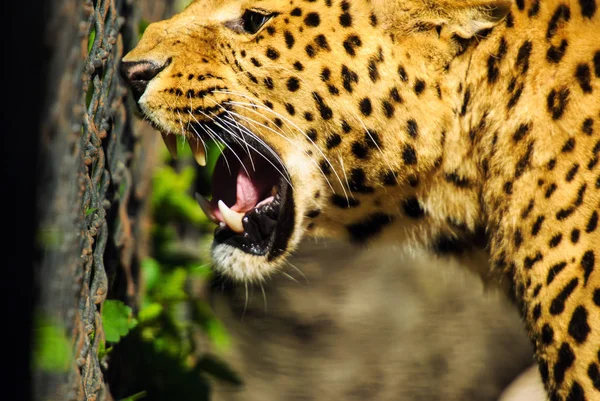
[93, 188]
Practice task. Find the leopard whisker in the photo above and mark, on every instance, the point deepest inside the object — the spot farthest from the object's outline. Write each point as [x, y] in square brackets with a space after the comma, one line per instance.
[243, 105]
[298, 270]
[289, 276]
[262, 289]
[288, 121]
[217, 142]
[225, 143]
[191, 126]
[252, 121]
[181, 123]
[217, 120]
[200, 137]
[248, 131]
[373, 140]
[345, 176]
[245, 141]
[246, 300]
[208, 133]
[284, 176]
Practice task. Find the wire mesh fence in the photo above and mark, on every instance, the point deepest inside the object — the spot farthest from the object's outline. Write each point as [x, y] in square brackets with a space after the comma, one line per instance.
[92, 191]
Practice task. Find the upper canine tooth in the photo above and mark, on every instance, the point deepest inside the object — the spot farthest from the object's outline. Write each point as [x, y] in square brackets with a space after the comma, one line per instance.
[171, 142]
[198, 151]
[205, 206]
[232, 218]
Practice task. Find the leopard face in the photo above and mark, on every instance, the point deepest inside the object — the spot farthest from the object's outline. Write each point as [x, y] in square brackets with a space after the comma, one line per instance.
[313, 103]
[456, 126]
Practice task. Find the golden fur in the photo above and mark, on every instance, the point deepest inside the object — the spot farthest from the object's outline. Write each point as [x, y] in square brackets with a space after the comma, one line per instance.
[455, 125]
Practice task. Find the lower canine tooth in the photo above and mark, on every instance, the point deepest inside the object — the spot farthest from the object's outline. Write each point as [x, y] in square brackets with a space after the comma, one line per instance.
[205, 206]
[232, 218]
[198, 151]
[171, 142]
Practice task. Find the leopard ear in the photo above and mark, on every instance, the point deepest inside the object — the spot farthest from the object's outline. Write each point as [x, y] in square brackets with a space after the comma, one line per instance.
[463, 17]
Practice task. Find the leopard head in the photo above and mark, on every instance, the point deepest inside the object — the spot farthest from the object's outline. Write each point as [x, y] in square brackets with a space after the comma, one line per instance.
[331, 113]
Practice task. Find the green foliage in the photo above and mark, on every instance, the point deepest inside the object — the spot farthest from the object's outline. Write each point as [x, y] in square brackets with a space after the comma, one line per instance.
[117, 319]
[181, 4]
[91, 38]
[169, 313]
[142, 27]
[89, 94]
[102, 350]
[151, 273]
[52, 352]
[150, 312]
[174, 320]
[171, 200]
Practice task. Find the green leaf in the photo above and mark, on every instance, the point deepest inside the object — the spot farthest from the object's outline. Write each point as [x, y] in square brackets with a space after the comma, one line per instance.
[90, 211]
[117, 319]
[173, 286]
[203, 271]
[150, 273]
[89, 94]
[135, 397]
[180, 5]
[150, 312]
[122, 189]
[52, 352]
[170, 197]
[91, 39]
[102, 350]
[142, 27]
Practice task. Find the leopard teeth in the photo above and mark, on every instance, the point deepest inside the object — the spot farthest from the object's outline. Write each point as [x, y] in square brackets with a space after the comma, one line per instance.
[198, 151]
[171, 142]
[232, 218]
[205, 206]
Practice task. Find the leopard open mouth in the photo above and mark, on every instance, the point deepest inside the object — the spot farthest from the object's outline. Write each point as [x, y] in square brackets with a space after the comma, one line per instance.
[252, 200]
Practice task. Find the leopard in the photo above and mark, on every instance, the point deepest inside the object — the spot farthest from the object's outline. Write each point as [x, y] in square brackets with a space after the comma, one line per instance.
[466, 128]
[332, 333]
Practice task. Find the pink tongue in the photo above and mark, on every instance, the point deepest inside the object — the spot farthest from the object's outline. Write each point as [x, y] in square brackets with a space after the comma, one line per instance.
[240, 185]
[247, 191]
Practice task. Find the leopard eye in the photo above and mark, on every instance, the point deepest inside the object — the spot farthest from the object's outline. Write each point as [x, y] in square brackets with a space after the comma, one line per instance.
[253, 21]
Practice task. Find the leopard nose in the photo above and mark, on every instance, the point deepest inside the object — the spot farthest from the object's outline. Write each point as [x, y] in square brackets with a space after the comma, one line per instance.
[138, 74]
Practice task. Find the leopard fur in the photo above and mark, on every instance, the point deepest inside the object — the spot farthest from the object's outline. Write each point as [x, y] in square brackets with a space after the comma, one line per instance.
[463, 127]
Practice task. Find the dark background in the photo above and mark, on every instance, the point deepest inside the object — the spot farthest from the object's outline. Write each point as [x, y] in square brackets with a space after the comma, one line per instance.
[22, 63]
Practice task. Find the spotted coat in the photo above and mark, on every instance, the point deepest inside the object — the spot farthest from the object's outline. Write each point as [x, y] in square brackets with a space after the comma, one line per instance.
[463, 127]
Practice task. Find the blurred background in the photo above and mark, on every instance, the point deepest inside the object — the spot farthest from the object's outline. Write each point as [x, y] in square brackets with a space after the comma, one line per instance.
[121, 303]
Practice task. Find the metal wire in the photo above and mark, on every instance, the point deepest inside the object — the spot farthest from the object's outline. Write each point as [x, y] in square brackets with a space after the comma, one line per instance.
[103, 121]
[89, 205]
